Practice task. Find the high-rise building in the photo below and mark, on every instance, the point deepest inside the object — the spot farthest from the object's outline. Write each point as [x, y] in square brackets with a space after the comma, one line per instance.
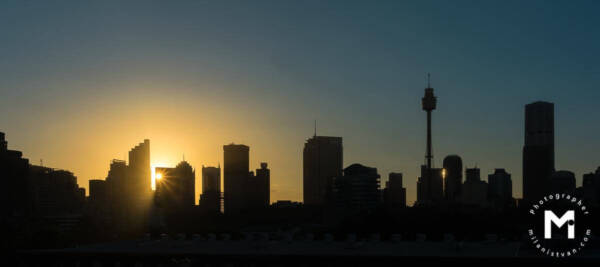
[99, 201]
[538, 152]
[357, 190]
[15, 189]
[562, 182]
[130, 188]
[394, 194]
[322, 161]
[118, 187]
[452, 177]
[175, 187]
[98, 191]
[258, 188]
[474, 190]
[591, 188]
[430, 186]
[55, 192]
[139, 172]
[210, 199]
[500, 189]
[235, 173]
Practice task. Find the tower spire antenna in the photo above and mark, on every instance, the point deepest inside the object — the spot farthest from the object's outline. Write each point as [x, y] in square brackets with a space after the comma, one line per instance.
[428, 80]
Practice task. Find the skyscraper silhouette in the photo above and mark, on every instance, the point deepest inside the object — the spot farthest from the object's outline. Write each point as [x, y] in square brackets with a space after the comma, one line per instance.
[235, 173]
[176, 187]
[14, 191]
[591, 188]
[358, 189]
[139, 171]
[474, 190]
[394, 194]
[210, 200]
[500, 189]
[453, 177]
[258, 188]
[322, 161]
[538, 151]
[562, 182]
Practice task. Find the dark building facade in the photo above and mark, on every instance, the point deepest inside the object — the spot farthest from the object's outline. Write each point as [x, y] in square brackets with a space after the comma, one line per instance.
[357, 190]
[139, 175]
[562, 182]
[538, 151]
[591, 188]
[55, 192]
[130, 189]
[474, 190]
[210, 199]
[257, 189]
[98, 191]
[452, 177]
[175, 190]
[394, 194]
[322, 161]
[235, 173]
[430, 186]
[500, 189]
[16, 189]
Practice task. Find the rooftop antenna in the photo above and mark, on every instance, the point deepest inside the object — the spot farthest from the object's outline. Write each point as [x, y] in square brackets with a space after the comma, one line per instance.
[315, 128]
[183, 156]
[428, 80]
[41, 162]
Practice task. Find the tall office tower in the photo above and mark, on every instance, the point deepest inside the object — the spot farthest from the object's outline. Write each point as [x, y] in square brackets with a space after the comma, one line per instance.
[117, 185]
[257, 188]
[99, 202]
[562, 182]
[139, 171]
[474, 190]
[175, 188]
[322, 161]
[14, 172]
[98, 191]
[538, 152]
[591, 188]
[210, 199]
[428, 182]
[394, 194]
[235, 173]
[452, 177]
[357, 190]
[430, 186]
[55, 192]
[500, 189]
[138, 199]
[262, 182]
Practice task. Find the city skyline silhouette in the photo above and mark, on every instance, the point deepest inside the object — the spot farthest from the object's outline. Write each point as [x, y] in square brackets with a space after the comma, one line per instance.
[192, 80]
[278, 132]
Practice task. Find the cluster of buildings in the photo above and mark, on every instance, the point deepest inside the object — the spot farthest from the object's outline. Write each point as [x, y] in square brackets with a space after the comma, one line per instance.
[29, 190]
[443, 186]
[125, 199]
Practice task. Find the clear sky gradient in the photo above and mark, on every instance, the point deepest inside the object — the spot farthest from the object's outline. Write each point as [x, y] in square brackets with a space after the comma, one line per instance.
[82, 82]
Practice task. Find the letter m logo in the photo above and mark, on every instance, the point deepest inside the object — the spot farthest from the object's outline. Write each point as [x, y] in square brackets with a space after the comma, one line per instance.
[550, 217]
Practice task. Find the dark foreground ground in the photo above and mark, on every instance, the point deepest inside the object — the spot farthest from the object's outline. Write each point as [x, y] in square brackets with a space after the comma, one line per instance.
[306, 253]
